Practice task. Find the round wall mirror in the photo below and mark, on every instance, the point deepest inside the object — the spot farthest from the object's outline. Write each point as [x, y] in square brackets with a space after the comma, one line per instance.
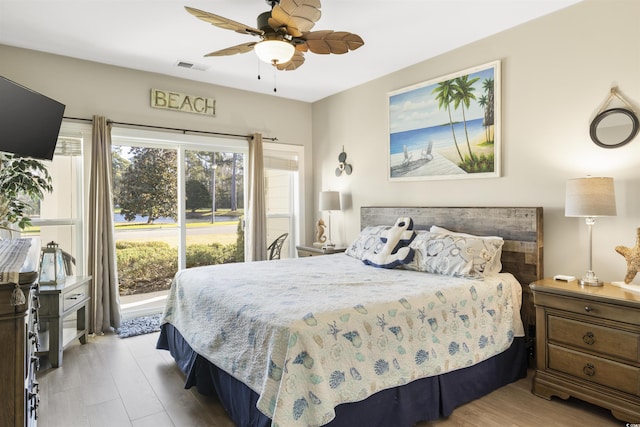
[614, 127]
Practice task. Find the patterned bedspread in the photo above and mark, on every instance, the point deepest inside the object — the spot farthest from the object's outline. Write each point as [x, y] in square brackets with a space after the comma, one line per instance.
[308, 334]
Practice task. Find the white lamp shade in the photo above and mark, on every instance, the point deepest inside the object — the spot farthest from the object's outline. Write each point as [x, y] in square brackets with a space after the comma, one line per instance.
[329, 201]
[274, 51]
[590, 197]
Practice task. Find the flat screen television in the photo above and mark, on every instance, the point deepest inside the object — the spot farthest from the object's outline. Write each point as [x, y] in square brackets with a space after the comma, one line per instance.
[29, 121]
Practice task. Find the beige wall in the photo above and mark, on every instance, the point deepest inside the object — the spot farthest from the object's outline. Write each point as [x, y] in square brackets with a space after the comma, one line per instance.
[120, 94]
[556, 73]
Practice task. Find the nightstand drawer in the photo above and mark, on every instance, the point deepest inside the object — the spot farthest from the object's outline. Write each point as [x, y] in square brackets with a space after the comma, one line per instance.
[588, 308]
[595, 369]
[75, 296]
[305, 253]
[601, 339]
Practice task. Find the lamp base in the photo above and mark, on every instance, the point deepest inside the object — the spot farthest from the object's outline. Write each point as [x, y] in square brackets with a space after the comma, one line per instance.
[588, 282]
[590, 279]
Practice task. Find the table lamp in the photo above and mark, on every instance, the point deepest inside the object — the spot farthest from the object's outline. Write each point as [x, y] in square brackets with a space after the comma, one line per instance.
[589, 198]
[329, 201]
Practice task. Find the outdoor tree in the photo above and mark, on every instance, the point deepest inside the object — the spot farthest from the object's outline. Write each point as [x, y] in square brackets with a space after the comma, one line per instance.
[119, 165]
[198, 196]
[221, 173]
[149, 185]
[196, 167]
[201, 167]
[234, 179]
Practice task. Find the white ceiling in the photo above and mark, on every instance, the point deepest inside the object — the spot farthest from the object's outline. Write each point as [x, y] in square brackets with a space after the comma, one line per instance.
[153, 35]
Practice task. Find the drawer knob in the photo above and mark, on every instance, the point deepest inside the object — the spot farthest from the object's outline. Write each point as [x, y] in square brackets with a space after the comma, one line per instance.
[35, 361]
[588, 309]
[589, 370]
[589, 338]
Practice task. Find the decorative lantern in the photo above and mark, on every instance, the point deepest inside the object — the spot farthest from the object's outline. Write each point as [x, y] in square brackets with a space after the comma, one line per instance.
[52, 269]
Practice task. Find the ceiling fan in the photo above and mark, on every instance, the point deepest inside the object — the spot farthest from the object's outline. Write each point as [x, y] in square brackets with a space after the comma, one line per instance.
[284, 34]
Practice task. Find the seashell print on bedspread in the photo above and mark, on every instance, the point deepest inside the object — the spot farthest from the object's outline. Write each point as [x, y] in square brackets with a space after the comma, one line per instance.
[309, 334]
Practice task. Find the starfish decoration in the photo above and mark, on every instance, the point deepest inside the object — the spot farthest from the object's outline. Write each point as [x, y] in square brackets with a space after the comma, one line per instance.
[632, 255]
[333, 330]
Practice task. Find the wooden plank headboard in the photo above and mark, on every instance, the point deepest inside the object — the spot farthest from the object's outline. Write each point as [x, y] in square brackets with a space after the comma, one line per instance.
[520, 227]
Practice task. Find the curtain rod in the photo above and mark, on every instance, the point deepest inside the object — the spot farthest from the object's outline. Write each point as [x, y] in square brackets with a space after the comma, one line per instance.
[203, 132]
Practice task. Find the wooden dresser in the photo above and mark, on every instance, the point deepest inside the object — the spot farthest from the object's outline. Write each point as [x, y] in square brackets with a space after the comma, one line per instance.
[588, 345]
[18, 363]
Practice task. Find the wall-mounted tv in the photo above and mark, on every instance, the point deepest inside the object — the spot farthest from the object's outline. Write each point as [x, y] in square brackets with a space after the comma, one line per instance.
[29, 122]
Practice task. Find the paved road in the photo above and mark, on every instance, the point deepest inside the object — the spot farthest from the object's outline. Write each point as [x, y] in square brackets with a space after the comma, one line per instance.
[159, 233]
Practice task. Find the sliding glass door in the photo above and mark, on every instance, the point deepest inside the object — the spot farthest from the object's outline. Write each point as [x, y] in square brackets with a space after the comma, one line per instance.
[179, 202]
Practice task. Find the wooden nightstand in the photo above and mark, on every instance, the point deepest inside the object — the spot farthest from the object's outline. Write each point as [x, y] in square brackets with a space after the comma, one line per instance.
[588, 345]
[58, 327]
[304, 251]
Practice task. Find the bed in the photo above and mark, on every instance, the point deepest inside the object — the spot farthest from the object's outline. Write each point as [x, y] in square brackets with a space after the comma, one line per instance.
[332, 341]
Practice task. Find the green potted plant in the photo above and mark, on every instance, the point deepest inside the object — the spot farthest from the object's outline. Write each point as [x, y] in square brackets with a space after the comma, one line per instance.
[23, 182]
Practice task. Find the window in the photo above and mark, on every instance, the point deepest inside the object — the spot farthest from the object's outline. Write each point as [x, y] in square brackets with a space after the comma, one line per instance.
[209, 176]
[282, 164]
[59, 216]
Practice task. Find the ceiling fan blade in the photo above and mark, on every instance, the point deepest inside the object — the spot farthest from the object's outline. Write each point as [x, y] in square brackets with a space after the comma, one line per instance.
[222, 22]
[329, 41]
[295, 62]
[241, 48]
[299, 16]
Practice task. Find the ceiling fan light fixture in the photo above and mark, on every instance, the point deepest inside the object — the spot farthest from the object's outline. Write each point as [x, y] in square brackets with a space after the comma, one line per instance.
[274, 51]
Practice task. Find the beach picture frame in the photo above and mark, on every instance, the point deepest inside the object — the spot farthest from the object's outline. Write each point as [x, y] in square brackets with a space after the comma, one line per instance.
[447, 127]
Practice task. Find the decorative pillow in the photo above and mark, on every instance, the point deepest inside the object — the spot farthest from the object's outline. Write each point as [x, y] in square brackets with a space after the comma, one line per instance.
[493, 266]
[367, 241]
[396, 250]
[453, 255]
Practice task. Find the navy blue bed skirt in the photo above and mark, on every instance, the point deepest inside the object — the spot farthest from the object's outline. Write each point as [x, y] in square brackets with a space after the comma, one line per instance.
[421, 400]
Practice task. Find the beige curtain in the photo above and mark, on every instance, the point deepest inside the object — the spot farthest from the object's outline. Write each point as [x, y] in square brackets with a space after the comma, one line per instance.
[256, 227]
[105, 298]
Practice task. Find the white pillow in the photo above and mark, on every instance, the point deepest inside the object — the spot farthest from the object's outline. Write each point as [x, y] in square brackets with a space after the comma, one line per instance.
[442, 230]
[367, 241]
[494, 266]
[453, 255]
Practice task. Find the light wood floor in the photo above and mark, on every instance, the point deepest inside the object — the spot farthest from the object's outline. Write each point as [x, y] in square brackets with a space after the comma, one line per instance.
[115, 382]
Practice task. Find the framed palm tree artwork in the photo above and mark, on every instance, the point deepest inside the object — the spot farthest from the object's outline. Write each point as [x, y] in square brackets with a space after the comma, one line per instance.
[447, 128]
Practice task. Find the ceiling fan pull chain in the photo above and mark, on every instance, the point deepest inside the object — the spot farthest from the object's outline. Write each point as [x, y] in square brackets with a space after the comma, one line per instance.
[258, 69]
[275, 73]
